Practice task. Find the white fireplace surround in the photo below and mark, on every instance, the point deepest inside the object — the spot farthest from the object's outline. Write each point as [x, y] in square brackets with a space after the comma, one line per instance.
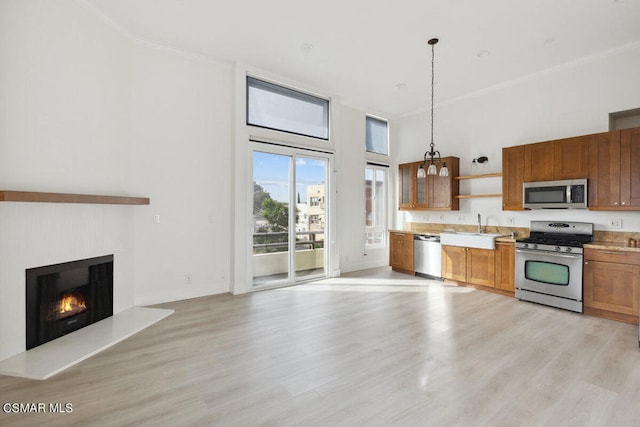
[39, 234]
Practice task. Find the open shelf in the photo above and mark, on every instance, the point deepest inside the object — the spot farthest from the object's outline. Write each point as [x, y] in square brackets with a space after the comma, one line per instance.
[473, 196]
[484, 175]
[39, 197]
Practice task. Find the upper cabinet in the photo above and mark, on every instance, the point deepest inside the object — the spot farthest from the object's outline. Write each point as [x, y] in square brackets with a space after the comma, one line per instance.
[430, 193]
[614, 175]
[609, 160]
[512, 177]
[560, 159]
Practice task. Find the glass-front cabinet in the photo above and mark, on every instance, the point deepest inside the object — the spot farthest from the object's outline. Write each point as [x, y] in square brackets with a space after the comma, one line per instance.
[430, 193]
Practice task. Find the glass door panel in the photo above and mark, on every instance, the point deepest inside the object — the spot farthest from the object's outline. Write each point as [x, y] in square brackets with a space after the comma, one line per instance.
[311, 217]
[271, 219]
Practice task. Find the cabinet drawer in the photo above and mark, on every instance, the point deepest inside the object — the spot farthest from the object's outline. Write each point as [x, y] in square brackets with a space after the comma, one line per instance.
[611, 255]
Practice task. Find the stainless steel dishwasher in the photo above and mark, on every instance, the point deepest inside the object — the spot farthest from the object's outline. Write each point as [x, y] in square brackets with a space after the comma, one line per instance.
[427, 256]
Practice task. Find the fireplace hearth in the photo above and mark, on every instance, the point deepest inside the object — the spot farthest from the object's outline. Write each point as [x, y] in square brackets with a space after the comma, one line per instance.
[63, 298]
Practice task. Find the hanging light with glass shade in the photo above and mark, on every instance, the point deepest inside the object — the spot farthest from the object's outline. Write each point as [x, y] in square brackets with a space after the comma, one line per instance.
[432, 154]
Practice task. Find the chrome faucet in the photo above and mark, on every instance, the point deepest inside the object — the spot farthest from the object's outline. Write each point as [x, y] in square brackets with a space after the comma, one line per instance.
[479, 224]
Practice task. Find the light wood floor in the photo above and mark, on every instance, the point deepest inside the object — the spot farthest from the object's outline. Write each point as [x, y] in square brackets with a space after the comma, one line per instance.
[377, 349]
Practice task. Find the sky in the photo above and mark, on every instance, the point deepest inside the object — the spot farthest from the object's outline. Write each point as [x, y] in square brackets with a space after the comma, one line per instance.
[271, 171]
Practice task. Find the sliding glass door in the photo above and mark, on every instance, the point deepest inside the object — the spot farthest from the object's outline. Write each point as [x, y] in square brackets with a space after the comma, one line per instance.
[290, 215]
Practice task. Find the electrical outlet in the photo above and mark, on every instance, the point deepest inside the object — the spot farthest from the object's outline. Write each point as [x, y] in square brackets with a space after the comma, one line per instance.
[615, 223]
[442, 218]
[156, 219]
[460, 219]
[187, 279]
[510, 220]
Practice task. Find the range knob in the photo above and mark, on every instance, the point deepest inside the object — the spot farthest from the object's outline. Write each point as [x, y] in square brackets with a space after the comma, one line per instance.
[568, 249]
[558, 248]
[535, 246]
[525, 245]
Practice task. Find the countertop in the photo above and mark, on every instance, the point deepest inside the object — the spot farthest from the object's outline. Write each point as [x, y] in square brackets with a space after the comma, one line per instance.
[619, 246]
[505, 239]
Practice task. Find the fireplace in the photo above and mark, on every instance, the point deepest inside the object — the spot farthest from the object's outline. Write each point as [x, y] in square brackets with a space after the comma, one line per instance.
[63, 298]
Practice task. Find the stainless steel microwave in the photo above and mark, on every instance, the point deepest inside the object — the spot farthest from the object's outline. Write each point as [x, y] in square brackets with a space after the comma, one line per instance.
[565, 194]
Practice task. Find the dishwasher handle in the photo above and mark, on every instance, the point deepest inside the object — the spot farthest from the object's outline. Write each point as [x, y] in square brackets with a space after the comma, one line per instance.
[426, 238]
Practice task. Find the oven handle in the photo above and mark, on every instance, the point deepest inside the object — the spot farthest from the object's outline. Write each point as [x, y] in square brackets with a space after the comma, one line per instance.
[558, 254]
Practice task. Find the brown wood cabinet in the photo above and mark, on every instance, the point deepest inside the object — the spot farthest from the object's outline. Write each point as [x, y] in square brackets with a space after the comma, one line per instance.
[512, 177]
[614, 175]
[430, 193]
[611, 284]
[469, 265]
[560, 159]
[539, 161]
[505, 266]
[401, 251]
[454, 263]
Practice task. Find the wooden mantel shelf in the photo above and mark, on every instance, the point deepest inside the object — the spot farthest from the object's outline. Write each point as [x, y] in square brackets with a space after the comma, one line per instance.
[37, 197]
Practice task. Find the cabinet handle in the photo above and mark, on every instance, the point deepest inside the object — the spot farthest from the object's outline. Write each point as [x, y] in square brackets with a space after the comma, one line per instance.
[612, 252]
[624, 203]
[615, 203]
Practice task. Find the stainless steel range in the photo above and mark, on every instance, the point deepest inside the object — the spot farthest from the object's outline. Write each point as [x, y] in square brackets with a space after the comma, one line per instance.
[549, 263]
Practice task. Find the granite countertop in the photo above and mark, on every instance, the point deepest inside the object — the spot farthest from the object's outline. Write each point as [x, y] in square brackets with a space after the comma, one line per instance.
[504, 239]
[621, 246]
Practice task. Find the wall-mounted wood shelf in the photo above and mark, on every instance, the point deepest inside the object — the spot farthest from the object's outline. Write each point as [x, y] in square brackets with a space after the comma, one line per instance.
[473, 196]
[484, 175]
[38, 197]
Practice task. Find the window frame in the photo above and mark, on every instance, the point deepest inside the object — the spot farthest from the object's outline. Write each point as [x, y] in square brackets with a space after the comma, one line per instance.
[297, 94]
[376, 198]
[372, 118]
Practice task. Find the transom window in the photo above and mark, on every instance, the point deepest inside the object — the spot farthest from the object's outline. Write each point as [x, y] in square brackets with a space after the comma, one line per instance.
[280, 108]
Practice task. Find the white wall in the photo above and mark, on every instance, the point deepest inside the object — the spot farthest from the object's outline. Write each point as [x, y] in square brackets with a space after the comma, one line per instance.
[351, 195]
[569, 101]
[181, 144]
[64, 127]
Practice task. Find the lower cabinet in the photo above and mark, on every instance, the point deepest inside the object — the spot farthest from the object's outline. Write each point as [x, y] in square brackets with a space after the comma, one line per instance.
[491, 268]
[401, 251]
[505, 266]
[470, 265]
[611, 284]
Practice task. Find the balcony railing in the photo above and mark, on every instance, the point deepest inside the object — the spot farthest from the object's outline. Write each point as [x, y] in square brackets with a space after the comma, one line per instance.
[311, 241]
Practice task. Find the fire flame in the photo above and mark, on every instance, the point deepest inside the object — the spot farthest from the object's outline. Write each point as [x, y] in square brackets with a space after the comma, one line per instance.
[69, 305]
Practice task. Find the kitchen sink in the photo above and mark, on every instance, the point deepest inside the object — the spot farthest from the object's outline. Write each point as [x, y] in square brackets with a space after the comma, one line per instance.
[470, 240]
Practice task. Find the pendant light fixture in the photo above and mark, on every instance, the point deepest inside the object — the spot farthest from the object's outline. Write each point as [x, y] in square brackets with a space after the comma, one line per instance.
[433, 154]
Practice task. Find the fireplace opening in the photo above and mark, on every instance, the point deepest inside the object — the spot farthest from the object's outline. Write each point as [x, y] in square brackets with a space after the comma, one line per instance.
[63, 298]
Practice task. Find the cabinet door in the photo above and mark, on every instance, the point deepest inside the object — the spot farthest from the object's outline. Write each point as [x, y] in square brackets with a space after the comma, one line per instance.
[611, 287]
[539, 162]
[505, 266]
[480, 266]
[440, 192]
[630, 168]
[454, 261]
[406, 190]
[401, 251]
[512, 177]
[604, 170]
[571, 158]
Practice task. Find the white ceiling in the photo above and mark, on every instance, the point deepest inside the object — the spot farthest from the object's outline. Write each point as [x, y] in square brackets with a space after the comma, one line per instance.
[362, 49]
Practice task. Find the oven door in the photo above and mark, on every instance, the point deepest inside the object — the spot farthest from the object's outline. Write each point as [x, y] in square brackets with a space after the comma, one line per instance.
[550, 273]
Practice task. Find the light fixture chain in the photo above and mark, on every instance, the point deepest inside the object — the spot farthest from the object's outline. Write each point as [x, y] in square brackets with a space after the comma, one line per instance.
[432, 145]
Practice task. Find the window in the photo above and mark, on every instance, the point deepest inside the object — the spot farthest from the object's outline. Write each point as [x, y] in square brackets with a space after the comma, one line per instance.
[376, 207]
[315, 201]
[377, 136]
[276, 107]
